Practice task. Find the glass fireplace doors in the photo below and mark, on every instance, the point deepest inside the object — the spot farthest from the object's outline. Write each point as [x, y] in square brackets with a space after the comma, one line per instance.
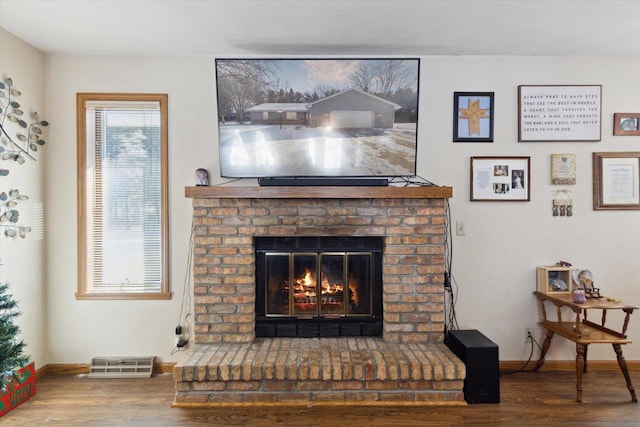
[327, 284]
[319, 292]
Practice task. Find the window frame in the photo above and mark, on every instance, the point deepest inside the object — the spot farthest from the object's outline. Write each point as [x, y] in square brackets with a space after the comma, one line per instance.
[292, 115]
[82, 290]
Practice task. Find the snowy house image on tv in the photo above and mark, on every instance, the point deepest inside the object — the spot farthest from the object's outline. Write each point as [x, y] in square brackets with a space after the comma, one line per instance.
[347, 109]
[274, 113]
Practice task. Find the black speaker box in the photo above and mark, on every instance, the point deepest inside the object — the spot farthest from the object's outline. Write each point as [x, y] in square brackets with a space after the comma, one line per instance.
[480, 356]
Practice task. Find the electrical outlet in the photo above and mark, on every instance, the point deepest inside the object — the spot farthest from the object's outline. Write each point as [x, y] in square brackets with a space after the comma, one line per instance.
[528, 334]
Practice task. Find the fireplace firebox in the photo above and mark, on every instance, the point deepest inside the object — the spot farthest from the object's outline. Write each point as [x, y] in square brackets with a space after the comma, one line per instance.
[318, 286]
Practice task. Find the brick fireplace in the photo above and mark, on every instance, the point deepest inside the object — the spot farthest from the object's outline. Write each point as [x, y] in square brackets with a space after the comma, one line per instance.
[409, 362]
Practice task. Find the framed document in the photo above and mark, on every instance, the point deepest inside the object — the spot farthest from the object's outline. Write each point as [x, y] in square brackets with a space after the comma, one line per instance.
[559, 113]
[563, 169]
[616, 184]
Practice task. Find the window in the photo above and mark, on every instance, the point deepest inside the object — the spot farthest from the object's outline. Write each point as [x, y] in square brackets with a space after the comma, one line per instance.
[122, 196]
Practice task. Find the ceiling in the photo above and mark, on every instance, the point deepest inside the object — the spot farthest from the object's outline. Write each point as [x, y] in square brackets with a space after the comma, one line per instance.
[326, 27]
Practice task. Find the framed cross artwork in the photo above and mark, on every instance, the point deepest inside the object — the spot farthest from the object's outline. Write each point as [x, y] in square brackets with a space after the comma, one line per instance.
[473, 117]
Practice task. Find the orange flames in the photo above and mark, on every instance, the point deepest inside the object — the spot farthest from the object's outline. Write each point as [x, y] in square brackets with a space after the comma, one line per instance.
[305, 290]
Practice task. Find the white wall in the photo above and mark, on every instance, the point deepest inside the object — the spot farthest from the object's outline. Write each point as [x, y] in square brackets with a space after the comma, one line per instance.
[23, 259]
[80, 330]
[494, 264]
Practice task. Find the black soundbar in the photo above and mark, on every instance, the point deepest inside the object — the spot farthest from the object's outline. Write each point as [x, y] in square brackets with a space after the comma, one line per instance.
[304, 182]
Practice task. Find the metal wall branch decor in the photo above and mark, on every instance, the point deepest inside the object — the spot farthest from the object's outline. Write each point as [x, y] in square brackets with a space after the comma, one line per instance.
[19, 141]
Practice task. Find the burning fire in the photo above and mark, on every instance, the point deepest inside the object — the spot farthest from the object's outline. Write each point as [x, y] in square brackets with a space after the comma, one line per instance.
[332, 295]
[305, 291]
[305, 288]
[353, 291]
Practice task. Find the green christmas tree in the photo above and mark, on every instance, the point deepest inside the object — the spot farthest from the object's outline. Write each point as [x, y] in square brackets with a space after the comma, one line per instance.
[11, 355]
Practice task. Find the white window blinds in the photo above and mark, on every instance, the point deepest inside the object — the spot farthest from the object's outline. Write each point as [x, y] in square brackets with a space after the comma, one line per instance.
[123, 198]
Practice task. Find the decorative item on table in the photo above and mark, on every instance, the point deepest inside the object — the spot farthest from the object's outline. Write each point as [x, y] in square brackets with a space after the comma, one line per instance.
[556, 283]
[562, 206]
[202, 177]
[554, 279]
[584, 280]
[579, 297]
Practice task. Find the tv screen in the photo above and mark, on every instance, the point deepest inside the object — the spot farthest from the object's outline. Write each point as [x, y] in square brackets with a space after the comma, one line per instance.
[318, 117]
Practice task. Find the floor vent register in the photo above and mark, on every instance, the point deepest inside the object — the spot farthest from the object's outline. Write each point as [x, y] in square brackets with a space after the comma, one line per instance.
[121, 367]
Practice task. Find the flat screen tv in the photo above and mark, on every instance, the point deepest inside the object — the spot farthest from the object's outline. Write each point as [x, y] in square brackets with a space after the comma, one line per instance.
[317, 117]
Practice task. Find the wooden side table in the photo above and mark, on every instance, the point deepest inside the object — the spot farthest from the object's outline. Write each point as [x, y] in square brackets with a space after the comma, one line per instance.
[585, 332]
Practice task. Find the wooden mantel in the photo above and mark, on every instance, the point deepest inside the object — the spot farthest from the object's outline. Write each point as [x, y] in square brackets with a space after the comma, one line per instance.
[317, 192]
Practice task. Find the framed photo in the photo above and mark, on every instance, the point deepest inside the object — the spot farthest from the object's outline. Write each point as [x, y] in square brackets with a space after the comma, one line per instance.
[500, 179]
[563, 169]
[473, 117]
[626, 124]
[616, 185]
[559, 113]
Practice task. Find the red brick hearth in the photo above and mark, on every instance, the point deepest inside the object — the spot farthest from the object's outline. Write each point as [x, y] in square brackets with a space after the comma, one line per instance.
[408, 363]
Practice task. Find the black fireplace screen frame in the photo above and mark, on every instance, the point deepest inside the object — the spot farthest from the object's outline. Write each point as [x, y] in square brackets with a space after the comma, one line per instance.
[309, 326]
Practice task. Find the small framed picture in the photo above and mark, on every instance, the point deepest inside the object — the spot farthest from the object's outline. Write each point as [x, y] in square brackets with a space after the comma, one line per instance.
[616, 182]
[626, 124]
[473, 117]
[563, 169]
[500, 179]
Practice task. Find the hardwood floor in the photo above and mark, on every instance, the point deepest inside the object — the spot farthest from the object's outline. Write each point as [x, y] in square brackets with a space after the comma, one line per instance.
[527, 398]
